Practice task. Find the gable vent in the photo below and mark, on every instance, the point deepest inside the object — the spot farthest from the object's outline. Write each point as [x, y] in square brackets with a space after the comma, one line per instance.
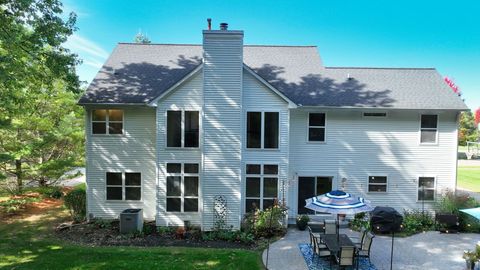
[375, 114]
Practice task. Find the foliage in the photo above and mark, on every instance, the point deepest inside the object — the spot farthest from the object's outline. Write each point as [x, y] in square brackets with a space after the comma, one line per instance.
[54, 192]
[468, 131]
[165, 230]
[477, 117]
[14, 204]
[302, 221]
[141, 38]
[360, 220]
[230, 236]
[451, 202]
[40, 125]
[102, 223]
[76, 203]
[266, 223]
[415, 221]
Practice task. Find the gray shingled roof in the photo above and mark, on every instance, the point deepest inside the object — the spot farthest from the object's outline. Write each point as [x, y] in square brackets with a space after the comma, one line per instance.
[138, 73]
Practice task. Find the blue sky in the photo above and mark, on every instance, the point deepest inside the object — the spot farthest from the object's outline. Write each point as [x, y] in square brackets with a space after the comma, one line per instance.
[444, 35]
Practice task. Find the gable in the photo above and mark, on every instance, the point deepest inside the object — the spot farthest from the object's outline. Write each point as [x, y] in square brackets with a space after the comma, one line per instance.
[258, 95]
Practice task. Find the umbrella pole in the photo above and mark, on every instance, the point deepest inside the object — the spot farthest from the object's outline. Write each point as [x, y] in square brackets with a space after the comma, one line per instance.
[338, 228]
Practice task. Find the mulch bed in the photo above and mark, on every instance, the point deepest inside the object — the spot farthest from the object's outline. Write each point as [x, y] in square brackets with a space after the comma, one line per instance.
[94, 234]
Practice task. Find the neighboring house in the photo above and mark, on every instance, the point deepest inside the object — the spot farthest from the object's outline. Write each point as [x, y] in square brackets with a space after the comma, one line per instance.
[169, 127]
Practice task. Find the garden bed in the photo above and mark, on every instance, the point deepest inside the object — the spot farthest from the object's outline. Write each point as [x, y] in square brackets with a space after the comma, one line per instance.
[107, 234]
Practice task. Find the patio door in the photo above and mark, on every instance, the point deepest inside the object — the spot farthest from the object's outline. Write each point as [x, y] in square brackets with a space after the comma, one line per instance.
[310, 186]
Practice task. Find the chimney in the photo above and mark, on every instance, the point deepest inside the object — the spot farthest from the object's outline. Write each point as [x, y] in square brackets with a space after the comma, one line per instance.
[209, 24]
[224, 26]
[222, 122]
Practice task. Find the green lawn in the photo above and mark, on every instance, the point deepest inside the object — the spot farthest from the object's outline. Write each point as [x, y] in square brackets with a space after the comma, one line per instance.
[29, 244]
[469, 178]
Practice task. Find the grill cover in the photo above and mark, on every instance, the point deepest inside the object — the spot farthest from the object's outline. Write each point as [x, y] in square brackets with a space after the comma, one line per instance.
[385, 219]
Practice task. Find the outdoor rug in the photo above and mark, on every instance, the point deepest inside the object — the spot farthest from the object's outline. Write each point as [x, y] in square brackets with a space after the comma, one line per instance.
[324, 264]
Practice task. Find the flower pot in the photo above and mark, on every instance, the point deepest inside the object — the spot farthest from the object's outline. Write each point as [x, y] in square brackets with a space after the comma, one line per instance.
[301, 226]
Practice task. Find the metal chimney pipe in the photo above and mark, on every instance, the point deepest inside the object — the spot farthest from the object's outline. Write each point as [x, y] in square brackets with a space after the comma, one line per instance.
[209, 20]
[224, 26]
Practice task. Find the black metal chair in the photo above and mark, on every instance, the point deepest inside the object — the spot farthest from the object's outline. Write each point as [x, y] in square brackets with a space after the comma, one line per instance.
[358, 241]
[364, 250]
[319, 250]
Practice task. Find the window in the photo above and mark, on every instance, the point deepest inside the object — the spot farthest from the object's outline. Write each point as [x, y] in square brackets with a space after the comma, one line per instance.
[377, 184]
[107, 121]
[310, 186]
[426, 188]
[428, 128]
[316, 127]
[182, 128]
[375, 114]
[182, 187]
[262, 130]
[261, 189]
[124, 186]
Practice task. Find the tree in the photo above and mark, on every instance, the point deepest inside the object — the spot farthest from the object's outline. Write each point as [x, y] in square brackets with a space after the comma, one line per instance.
[38, 87]
[141, 38]
[477, 117]
[467, 132]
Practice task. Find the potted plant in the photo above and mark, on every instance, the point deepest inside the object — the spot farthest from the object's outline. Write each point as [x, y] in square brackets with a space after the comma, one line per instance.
[302, 222]
[470, 259]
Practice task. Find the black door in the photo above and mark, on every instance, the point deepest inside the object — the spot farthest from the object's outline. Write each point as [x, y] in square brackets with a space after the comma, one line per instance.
[309, 187]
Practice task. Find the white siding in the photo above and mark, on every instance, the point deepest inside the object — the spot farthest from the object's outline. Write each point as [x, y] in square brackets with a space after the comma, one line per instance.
[133, 151]
[223, 65]
[186, 97]
[357, 147]
[257, 97]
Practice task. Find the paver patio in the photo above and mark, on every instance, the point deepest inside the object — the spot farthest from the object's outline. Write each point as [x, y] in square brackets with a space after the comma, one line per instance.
[430, 250]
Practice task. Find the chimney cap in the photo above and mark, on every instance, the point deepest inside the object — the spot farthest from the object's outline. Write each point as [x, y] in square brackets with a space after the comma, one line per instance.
[224, 26]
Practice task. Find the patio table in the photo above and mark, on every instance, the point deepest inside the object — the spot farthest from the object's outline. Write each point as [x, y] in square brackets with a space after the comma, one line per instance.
[334, 242]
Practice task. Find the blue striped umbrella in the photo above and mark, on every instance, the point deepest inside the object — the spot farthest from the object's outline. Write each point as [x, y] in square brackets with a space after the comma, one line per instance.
[338, 202]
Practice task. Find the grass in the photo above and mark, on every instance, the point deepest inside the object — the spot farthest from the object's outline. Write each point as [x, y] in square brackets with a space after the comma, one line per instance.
[469, 178]
[29, 243]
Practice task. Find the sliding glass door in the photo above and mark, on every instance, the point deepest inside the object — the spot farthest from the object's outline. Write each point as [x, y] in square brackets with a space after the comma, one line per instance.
[310, 186]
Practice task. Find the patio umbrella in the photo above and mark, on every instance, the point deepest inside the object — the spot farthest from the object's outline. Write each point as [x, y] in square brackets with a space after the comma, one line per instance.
[475, 212]
[338, 202]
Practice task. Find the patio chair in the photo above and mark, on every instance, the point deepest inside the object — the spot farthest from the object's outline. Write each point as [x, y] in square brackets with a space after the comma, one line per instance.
[330, 227]
[364, 251]
[358, 241]
[345, 257]
[314, 241]
[319, 250]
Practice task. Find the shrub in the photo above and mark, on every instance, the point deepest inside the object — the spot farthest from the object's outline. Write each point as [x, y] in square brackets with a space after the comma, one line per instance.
[51, 192]
[266, 223]
[360, 220]
[451, 202]
[76, 203]
[415, 221]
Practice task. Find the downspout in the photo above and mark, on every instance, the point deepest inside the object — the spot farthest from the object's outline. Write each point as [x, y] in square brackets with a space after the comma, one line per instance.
[456, 152]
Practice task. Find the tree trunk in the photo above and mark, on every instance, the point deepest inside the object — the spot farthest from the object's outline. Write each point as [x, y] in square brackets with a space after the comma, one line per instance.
[19, 174]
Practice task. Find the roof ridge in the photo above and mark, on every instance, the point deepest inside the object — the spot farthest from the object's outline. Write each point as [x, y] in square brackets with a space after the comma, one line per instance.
[389, 68]
[187, 44]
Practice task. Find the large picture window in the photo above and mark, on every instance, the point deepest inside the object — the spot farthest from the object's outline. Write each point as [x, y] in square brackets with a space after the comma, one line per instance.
[262, 130]
[261, 186]
[124, 186]
[316, 127]
[182, 128]
[377, 184]
[107, 121]
[182, 187]
[426, 188]
[428, 128]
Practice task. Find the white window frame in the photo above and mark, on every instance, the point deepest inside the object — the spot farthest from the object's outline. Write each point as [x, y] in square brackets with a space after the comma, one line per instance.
[324, 127]
[107, 122]
[435, 129]
[434, 187]
[182, 129]
[377, 184]
[262, 129]
[123, 186]
[182, 196]
[262, 175]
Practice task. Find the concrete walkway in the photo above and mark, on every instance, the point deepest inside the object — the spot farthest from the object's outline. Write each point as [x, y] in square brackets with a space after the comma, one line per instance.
[430, 250]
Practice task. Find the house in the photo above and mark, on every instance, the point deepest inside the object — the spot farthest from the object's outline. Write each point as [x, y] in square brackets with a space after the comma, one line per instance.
[205, 133]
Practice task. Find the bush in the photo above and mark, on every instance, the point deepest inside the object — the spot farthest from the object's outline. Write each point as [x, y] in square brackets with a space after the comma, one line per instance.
[230, 236]
[451, 203]
[360, 220]
[302, 222]
[414, 221]
[51, 192]
[266, 223]
[76, 203]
